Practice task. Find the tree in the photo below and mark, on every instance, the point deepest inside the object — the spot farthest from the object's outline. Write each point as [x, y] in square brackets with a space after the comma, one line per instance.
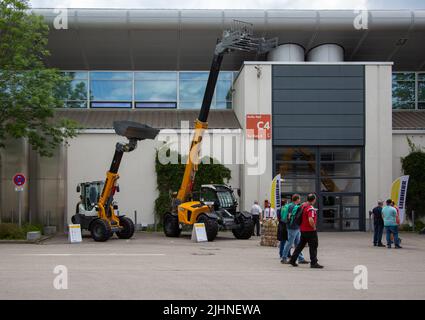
[414, 166]
[28, 89]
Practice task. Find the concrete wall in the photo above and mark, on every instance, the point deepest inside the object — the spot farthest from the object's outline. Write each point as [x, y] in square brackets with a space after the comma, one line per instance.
[401, 147]
[378, 148]
[253, 96]
[13, 159]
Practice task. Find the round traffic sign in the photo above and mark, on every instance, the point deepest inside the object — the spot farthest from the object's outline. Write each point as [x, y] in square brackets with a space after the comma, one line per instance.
[19, 179]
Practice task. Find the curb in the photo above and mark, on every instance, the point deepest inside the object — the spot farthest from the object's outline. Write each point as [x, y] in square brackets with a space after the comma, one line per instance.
[38, 241]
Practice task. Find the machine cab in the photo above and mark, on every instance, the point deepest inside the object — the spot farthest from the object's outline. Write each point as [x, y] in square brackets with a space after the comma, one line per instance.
[89, 197]
[219, 196]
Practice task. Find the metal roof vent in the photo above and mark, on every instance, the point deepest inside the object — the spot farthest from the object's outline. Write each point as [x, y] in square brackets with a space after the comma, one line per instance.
[328, 52]
[288, 52]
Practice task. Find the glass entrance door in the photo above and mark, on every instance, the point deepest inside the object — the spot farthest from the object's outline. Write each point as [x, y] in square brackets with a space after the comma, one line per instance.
[339, 212]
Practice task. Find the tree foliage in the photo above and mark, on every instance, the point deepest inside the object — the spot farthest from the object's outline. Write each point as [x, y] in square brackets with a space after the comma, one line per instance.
[169, 178]
[28, 90]
[414, 166]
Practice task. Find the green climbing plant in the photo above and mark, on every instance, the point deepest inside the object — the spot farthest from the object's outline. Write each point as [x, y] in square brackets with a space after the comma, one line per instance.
[414, 166]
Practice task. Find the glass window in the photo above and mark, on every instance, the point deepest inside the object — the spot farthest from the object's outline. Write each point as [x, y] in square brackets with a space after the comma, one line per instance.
[404, 76]
[340, 185]
[340, 169]
[225, 75]
[74, 92]
[159, 89]
[296, 170]
[152, 90]
[223, 91]
[114, 88]
[351, 212]
[195, 75]
[404, 90]
[299, 185]
[95, 104]
[350, 201]
[295, 154]
[421, 90]
[159, 105]
[109, 76]
[350, 225]
[340, 154]
[76, 74]
[158, 75]
[192, 88]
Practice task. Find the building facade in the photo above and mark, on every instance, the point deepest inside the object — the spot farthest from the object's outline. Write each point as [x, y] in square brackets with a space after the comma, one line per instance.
[342, 102]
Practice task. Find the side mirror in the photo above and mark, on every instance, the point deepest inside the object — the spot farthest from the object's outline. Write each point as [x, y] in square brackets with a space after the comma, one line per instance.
[78, 189]
[238, 191]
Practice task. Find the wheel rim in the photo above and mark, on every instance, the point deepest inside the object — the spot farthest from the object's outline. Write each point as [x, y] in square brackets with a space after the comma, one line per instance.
[97, 230]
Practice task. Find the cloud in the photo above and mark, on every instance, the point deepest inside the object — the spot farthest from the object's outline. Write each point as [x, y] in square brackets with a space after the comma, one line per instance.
[202, 4]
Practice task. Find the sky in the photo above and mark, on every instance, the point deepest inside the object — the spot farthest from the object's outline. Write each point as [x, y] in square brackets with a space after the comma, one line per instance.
[232, 4]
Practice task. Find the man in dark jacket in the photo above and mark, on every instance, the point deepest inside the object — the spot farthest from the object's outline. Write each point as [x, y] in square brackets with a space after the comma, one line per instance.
[378, 224]
[282, 234]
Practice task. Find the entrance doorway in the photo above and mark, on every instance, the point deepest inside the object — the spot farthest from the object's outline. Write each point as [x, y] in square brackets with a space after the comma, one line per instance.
[339, 212]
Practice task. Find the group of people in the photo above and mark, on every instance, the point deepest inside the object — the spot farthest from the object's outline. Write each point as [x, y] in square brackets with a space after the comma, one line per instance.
[386, 217]
[297, 228]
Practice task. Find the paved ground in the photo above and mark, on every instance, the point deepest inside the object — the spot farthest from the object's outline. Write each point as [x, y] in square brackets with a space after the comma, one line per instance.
[151, 266]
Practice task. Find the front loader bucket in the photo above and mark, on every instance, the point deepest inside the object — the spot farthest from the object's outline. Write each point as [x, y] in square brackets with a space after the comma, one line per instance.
[135, 130]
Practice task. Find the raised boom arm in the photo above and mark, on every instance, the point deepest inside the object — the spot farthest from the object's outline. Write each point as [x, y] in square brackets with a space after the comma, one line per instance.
[240, 38]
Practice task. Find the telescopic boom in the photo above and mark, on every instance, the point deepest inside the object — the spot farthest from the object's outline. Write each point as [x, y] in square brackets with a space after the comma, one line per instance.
[238, 38]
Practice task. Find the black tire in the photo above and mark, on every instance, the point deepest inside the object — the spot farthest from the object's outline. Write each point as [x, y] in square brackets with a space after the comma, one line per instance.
[74, 219]
[128, 228]
[100, 230]
[171, 226]
[244, 229]
[211, 226]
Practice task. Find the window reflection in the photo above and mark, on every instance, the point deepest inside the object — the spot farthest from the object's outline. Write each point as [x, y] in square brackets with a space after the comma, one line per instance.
[297, 170]
[155, 91]
[296, 154]
[340, 185]
[340, 154]
[110, 89]
[404, 90]
[144, 89]
[74, 90]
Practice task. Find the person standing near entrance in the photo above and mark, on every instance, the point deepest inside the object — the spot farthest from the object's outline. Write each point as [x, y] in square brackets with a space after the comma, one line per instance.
[269, 212]
[389, 214]
[308, 230]
[378, 224]
[256, 212]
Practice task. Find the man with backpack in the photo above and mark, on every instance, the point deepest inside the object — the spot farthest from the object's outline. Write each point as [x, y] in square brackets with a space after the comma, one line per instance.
[282, 235]
[292, 217]
[308, 233]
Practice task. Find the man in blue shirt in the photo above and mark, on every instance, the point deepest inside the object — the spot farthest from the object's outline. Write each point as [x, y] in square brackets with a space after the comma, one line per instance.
[378, 224]
[389, 214]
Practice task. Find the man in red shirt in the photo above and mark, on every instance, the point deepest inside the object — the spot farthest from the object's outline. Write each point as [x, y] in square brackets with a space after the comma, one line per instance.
[308, 233]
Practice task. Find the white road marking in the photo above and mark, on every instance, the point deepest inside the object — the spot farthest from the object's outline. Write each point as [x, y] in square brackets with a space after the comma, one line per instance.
[90, 254]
